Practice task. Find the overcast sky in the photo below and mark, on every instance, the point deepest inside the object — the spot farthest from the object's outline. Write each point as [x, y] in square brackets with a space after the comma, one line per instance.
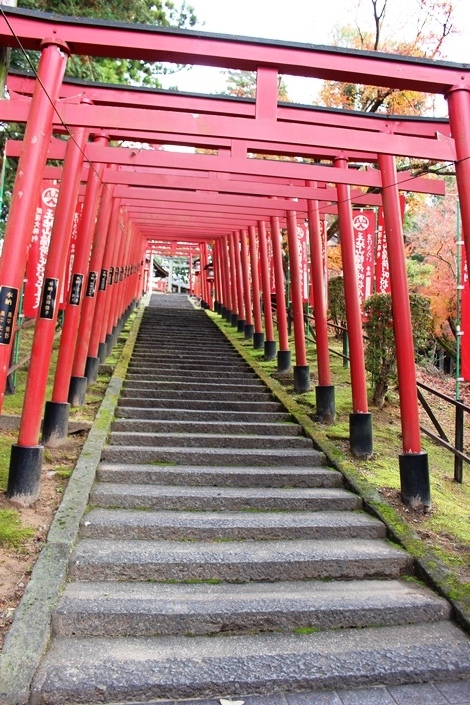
[306, 21]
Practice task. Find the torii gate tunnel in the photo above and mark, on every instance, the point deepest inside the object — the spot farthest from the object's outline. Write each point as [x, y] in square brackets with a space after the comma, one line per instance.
[224, 204]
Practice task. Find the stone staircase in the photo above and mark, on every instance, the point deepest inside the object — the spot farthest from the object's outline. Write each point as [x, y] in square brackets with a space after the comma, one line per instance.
[221, 556]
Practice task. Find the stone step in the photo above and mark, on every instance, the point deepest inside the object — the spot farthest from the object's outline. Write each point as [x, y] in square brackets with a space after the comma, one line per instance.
[211, 427]
[221, 476]
[216, 364]
[188, 354]
[204, 386]
[207, 456]
[207, 440]
[146, 373]
[195, 415]
[132, 496]
[148, 609]
[195, 395]
[100, 670]
[237, 561]
[202, 404]
[236, 526]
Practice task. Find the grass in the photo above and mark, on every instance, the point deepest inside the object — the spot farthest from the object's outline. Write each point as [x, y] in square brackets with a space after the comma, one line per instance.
[12, 533]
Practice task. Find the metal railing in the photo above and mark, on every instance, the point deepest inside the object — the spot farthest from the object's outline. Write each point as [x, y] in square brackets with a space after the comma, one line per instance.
[442, 439]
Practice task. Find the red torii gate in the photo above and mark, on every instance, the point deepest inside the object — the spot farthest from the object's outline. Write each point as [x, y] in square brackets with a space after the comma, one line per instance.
[234, 129]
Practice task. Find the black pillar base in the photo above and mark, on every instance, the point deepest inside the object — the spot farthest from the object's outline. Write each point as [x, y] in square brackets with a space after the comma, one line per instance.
[249, 331]
[283, 360]
[102, 351]
[25, 474]
[228, 315]
[109, 343]
[258, 341]
[325, 403]
[360, 435]
[92, 367]
[77, 391]
[241, 325]
[217, 306]
[55, 424]
[414, 480]
[301, 378]
[269, 350]
[222, 311]
[234, 320]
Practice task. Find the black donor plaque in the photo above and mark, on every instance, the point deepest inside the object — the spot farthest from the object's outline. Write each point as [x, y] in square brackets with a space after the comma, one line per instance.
[8, 301]
[111, 276]
[103, 280]
[76, 290]
[49, 296]
[91, 286]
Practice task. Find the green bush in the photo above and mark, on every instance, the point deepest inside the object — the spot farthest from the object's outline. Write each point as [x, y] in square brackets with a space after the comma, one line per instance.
[380, 355]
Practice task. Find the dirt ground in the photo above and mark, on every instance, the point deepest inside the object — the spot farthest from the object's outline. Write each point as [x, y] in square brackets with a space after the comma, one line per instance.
[16, 564]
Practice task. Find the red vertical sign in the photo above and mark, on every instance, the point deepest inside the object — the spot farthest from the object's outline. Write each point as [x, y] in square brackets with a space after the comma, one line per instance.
[364, 235]
[465, 320]
[302, 237]
[71, 256]
[382, 272]
[37, 257]
[269, 250]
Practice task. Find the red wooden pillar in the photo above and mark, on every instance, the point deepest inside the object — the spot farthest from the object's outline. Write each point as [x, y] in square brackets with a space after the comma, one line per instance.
[324, 391]
[224, 252]
[458, 99]
[249, 327]
[202, 277]
[109, 263]
[219, 288]
[93, 359]
[283, 354]
[80, 379]
[21, 217]
[41, 352]
[57, 410]
[414, 467]
[360, 420]
[239, 280]
[205, 297]
[258, 335]
[301, 368]
[233, 281]
[269, 343]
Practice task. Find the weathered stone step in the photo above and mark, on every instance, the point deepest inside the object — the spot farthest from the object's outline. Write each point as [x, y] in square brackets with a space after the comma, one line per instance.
[230, 363]
[221, 476]
[211, 427]
[202, 404]
[236, 526]
[147, 609]
[131, 496]
[207, 440]
[236, 561]
[195, 415]
[201, 385]
[219, 456]
[195, 395]
[184, 355]
[169, 373]
[101, 670]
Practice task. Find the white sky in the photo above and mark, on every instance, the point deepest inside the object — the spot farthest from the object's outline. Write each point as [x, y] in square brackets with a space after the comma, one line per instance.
[306, 21]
